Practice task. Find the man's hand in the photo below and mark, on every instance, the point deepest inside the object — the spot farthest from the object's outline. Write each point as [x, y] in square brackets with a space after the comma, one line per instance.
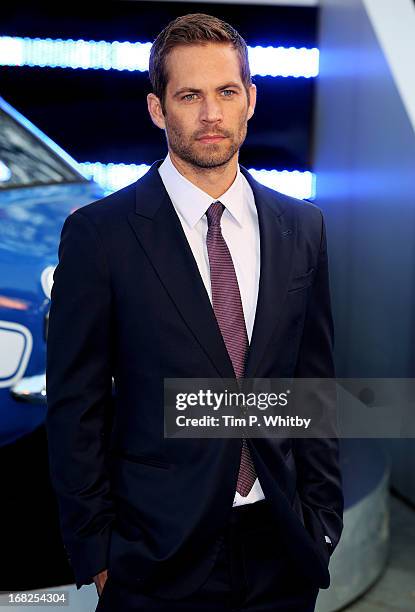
[100, 579]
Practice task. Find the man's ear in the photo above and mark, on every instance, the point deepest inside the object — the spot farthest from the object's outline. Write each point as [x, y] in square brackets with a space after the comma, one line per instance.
[155, 110]
[252, 100]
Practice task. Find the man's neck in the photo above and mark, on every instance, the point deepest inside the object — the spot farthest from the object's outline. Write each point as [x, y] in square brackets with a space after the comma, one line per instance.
[214, 181]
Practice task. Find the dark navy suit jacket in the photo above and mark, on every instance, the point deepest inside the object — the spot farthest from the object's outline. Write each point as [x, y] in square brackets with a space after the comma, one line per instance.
[128, 305]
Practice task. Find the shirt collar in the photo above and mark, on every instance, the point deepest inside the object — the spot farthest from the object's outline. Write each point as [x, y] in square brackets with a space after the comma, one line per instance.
[192, 202]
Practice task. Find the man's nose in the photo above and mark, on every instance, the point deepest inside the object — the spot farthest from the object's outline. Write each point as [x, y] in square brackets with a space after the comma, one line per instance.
[211, 110]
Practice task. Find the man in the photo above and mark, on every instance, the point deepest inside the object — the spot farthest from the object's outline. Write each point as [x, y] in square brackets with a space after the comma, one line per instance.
[194, 271]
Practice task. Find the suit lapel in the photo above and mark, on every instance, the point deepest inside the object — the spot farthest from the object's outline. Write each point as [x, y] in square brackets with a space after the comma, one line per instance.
[277, 232]
[159, 232]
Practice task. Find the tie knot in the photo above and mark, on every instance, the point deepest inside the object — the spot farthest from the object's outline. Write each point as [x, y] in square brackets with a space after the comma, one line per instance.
[214, 213]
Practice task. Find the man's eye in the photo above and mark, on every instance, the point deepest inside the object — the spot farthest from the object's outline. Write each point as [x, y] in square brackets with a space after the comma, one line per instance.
[189, 97]
[228, 93]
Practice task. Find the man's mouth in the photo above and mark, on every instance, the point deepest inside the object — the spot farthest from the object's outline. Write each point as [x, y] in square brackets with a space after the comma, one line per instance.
[209, 138]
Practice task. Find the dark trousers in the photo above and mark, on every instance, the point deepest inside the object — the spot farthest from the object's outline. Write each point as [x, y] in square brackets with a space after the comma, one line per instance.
[252, 573]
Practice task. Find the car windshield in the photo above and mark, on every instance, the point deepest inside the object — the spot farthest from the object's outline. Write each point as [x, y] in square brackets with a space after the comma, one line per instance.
[28, 157]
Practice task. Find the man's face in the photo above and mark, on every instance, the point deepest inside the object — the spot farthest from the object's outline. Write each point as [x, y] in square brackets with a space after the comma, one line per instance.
[206, 105]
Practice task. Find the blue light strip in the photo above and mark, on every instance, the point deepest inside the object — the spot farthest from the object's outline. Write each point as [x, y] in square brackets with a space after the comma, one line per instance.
[89, 54]
[115, 176]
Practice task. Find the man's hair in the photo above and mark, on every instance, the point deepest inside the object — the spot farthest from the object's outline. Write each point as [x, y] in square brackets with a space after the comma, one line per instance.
[195, 28]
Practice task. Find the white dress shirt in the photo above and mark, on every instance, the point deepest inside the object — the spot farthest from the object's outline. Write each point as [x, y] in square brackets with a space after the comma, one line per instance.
[240, 230]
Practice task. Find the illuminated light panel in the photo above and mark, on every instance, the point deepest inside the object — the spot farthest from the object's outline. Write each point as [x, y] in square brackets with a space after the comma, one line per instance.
[294, 183]
[282, 61]
[90, 54]
[115, 176]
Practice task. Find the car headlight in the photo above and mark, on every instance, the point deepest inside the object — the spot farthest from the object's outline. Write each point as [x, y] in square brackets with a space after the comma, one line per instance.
[46, 280]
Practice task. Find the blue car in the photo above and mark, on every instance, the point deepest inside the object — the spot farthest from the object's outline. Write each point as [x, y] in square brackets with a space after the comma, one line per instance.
[40, 185]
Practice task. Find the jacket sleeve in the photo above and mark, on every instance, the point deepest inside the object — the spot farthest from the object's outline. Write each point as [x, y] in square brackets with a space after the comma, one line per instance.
[79, 395]
[319, 480]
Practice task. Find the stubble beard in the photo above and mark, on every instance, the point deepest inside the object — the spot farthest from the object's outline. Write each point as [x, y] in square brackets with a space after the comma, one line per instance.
[204, 156]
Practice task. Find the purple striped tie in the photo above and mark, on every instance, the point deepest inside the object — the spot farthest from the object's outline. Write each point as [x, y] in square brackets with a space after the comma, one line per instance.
[229, 314]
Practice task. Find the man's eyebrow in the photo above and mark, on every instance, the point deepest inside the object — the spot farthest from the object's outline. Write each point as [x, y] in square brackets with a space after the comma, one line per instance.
[188, 89]
[196, 90]
[231, 84]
